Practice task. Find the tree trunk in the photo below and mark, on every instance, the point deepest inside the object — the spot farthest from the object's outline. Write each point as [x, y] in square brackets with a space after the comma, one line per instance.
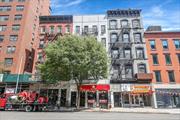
[78, 97]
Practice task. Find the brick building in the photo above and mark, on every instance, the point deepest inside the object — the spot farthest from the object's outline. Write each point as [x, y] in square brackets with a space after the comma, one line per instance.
[163, 49]
[19, 23]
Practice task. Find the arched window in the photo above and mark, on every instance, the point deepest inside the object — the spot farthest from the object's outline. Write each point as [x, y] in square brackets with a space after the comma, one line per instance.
[59, 29]
[114, 37]
[113, 24]
[142, 68]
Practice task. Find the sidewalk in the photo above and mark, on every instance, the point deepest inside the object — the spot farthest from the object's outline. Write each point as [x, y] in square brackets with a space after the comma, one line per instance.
[136, 110]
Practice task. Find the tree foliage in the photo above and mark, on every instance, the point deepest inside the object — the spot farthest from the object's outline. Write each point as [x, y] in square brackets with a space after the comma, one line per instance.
[74, 58]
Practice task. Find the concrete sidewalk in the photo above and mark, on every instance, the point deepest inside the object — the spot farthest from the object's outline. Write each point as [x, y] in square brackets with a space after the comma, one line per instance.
[136, 110]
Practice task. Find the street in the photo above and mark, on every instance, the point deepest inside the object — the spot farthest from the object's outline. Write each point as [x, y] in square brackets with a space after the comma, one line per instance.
[84, 116]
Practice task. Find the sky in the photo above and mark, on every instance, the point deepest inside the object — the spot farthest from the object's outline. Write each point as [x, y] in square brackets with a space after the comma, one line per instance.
[154, 12]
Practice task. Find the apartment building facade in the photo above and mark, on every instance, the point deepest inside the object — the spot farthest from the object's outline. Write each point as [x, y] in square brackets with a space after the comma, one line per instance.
[129, 71]
[19, 23]
[163, 49]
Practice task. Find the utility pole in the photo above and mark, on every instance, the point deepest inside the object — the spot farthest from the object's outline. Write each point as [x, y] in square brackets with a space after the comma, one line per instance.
[17, 81]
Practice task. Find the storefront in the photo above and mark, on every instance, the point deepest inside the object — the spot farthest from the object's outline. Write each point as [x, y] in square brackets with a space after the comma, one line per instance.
[95, 95]
[168, 98]
[132, 95]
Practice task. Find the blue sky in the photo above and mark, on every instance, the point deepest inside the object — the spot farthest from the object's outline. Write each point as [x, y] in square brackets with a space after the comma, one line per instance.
[154, 12]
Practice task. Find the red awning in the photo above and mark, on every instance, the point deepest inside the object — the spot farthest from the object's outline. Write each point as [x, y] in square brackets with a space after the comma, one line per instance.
[100, 87]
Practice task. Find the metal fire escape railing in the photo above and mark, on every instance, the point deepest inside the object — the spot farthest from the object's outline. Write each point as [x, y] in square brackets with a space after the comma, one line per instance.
[120, 59]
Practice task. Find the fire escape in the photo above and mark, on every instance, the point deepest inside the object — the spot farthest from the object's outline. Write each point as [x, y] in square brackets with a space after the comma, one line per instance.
[119, 58]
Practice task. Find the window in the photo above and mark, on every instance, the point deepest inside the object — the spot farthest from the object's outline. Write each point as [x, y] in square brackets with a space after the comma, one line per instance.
[0, 48]
[152, 44]
[4, 18]
[59, 29]
[103, 29]
[114, 53]
[77, 29]
[177, 44]
[140, 53]
[114, 37]
[127, 53]
[11, 49]
[126, 37]
[128, 71]
[51, 29]
[3, 28]
[5, 8]
[113, 24]
[15, 27]
[158, 76]
[137, 37]
[67, 28]
[155, 59]
[8, 61]
[41, 44]
[171, 76]
[103, 41]
[6, 0]
[17, 17]
[86, 29]
[168, 59]
[136, 23]
[178, 56]
[94, 29]
[19, 7]
[165, 44]
[124, 23]
[43, 29]
[40, 57]
[141, 68]
[13, 37]
[1, 38]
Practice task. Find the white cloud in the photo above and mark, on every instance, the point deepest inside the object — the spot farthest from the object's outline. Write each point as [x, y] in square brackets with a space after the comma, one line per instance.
[65, 3]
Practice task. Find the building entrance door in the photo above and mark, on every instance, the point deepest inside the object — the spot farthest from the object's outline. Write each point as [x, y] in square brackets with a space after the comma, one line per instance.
[135, 100]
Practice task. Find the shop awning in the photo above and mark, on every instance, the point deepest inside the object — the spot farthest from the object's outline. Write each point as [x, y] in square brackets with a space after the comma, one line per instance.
[99, 87]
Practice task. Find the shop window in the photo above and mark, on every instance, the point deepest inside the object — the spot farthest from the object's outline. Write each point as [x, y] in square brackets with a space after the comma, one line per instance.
[158, 76]
[171, 76]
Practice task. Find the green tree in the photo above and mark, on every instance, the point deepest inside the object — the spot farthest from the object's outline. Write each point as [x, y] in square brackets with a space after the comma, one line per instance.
[74, 58]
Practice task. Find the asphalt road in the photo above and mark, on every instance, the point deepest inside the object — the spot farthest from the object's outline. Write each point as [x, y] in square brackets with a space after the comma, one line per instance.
[84, 116]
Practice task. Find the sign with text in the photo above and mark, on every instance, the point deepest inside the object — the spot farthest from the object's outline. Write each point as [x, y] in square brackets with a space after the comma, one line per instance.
[140, 89]
[10, 90]
[125, 87]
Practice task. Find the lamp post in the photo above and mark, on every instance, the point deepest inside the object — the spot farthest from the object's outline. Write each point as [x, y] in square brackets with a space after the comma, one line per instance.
[17, 81]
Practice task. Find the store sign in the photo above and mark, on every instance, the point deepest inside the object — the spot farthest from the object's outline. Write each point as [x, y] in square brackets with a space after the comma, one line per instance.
[140, 89]
[10, 90]
[1, 77]
[125, 87]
